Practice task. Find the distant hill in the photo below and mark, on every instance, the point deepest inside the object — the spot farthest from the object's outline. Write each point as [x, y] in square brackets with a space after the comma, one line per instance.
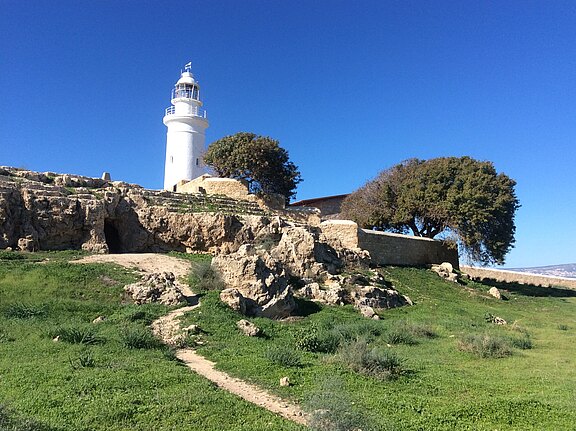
[567, 270]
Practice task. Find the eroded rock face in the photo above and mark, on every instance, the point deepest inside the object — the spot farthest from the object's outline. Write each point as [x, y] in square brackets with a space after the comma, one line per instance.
[48, 211]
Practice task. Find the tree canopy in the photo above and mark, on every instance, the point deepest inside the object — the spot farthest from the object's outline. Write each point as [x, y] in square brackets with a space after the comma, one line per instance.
[461, 198]
[259, 160]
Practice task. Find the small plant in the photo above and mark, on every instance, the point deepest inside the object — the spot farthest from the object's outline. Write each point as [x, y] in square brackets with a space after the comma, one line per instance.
[77, 335]
[21, 310]
[382, 364]
[204, 278]
[563, 327]
[366, 329]
[399, 335]
[485, 346]
[84, 360]
[136, 337]
[284, 356]
[523, 343]
[317, 340]
[331, 409]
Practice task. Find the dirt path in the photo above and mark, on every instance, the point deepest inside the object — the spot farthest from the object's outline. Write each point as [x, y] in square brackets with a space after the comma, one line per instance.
[167, 327]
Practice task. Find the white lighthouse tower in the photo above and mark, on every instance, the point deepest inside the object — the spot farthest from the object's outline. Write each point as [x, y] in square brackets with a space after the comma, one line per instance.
[187, 123]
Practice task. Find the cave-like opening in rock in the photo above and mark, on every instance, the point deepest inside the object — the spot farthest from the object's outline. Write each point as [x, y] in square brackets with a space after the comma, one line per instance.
[112, 237]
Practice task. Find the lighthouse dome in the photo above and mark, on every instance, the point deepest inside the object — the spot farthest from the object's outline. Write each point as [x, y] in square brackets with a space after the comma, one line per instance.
[186, 78]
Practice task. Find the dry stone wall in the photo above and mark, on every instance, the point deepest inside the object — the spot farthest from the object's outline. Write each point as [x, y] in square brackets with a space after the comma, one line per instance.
[518, 277]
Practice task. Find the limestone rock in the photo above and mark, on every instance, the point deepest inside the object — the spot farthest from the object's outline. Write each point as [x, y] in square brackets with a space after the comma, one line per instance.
[248, 328]
[99, 319]
[157, 287]
[446, 271]
[285, 381]
[233, 299]
[495, 293]
[377, 297]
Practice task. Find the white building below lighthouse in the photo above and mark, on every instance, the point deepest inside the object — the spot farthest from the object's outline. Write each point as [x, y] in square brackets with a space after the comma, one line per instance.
[187, 123]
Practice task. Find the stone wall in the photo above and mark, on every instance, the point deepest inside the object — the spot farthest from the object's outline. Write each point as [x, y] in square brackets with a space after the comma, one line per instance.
[518, 277]
[394, 249]
[388, 248]
[216, 186]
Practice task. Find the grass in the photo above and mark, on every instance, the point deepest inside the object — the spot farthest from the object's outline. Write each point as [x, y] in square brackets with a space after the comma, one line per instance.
[75, 386]
[435, 385]
[339, 364]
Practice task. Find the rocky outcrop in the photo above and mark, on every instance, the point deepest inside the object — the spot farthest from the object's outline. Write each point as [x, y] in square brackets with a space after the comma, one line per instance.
[48, 211]
[367, 292]
[155, 288]
[446, 271]
[262, 255]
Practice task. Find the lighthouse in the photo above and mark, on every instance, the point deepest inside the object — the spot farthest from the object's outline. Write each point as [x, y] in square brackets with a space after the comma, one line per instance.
[186, 122]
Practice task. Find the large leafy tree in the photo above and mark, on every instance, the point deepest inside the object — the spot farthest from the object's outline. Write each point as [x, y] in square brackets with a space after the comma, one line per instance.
[259, 160]
[449, 196]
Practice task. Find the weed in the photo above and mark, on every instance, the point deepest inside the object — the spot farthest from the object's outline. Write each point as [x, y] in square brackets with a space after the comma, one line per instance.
[284, 356]
[20, 310]
[485, 346]
[365, 329]
[563, 327]
[523, 343]
[314, 339]
[399, 335]
[204, 278]
[137, 337]
[84, 360]
[382, 364]
[331, 409]
[77, 335]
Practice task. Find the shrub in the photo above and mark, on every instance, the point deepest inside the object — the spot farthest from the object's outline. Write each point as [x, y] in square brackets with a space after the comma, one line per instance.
[204, 278]
[485, 346]
[317, 340]
[331, 409]
[365, 329]
[399, 335]
[523, 343]
[284, 356]
[21, 310]
[77, 335]
[137, 337]
[563, 327]
[383, 364]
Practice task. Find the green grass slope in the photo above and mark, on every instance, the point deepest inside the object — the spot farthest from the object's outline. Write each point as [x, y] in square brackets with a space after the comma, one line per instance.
[96, 377]
[457, 369]
[441, 364]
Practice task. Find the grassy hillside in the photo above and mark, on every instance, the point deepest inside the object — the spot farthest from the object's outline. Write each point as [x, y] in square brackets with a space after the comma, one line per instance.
[110, 376]
[438, 365]
[458, 370]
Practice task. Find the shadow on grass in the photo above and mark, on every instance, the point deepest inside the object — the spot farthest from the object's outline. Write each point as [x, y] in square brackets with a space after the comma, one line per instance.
[531, 290]
[305, 307]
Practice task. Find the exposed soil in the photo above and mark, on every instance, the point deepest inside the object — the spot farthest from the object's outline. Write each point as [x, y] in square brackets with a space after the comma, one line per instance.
[167, 327]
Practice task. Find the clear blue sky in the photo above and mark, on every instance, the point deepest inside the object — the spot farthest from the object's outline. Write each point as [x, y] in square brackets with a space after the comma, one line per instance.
[347, 87]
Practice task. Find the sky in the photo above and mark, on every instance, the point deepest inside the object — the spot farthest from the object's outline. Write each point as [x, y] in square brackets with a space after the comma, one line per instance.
[349, 88]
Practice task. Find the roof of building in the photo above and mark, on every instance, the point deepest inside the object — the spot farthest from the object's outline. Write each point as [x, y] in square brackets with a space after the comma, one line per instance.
[308, 202]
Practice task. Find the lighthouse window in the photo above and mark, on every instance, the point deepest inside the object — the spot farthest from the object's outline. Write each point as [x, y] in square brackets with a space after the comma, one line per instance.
[197, 162]
[171, 159]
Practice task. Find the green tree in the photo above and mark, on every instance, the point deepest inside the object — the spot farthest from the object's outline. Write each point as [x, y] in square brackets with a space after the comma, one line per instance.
[459, 197]
[259, 160]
